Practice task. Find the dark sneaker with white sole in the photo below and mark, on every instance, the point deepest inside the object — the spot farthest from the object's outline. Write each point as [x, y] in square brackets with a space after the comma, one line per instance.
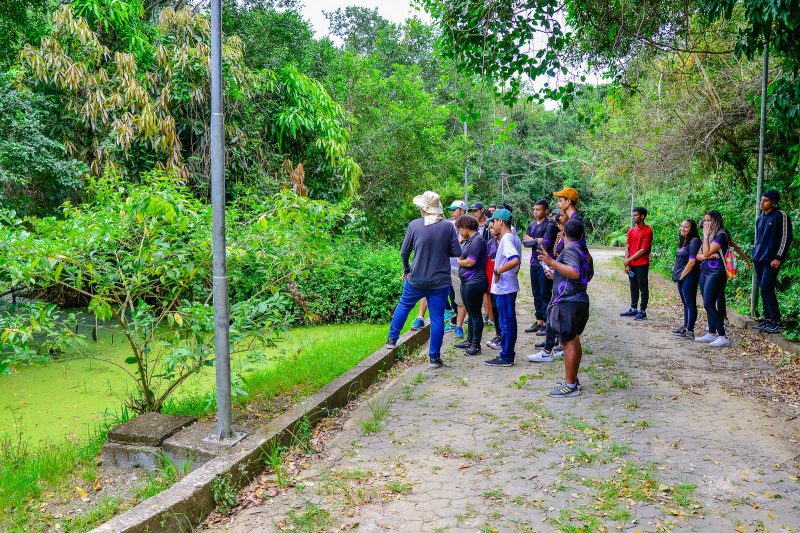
[534, 328]
[463, 345]
[391, 344]
[772, 327]
[498, 361]
[641, 315]
[565, 391]
[630, 312]
[679, 332]
[539, 344]
[436, 363]
[473, 350]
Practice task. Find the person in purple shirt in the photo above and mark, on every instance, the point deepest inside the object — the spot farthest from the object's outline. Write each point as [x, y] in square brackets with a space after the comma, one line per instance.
[568, 313]
[472, 272]
[541, 233]
[686, 274]
[715, 245]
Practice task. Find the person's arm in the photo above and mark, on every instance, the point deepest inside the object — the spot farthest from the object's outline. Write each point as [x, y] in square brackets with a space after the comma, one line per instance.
[405, 252]
[528, 240]
[565, 270]
[508, 250]
[693, 249]
[627, 261]
[710, 248]
[739, 252]
[455, 247]
[786, 238]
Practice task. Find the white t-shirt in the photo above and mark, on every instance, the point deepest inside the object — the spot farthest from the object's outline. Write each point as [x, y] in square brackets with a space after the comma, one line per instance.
[508, 248]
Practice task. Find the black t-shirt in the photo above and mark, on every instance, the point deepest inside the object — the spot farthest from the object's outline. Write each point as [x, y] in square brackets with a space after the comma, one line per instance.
[474, 248]
[717, 262]
[682, 257]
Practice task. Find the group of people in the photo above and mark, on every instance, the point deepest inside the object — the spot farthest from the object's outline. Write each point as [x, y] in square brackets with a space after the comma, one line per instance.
[471, 262]
[707, 262]
[465, 271]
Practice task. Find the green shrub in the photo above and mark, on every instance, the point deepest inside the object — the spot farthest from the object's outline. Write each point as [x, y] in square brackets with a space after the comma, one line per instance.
[361, 283]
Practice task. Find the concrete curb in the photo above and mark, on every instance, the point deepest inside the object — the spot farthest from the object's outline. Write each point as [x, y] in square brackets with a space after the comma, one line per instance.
[189, 501]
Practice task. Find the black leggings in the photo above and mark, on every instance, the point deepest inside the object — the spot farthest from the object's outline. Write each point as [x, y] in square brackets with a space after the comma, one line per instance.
[714, 301]
[472, 294]
[687, 288]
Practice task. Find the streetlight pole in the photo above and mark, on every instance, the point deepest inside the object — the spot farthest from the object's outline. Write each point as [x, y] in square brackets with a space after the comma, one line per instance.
[761, 149]
[466, 163]
[222, 349]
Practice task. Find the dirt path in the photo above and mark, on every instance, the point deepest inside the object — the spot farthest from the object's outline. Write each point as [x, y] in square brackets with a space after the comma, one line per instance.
[662, 439]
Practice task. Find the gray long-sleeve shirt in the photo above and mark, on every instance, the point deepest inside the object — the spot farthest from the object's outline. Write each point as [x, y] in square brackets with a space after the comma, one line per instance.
[433, 246]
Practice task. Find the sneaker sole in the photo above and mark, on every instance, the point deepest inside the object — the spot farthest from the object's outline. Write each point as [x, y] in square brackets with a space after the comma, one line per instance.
[541, 360]
[577, 392]
[435, 365]
[499, 364]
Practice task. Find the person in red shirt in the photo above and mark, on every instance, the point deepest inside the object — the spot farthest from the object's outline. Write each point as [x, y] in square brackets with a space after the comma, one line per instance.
[637, 263]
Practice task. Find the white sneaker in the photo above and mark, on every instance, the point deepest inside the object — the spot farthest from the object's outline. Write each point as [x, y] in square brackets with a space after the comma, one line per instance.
[721, 342]
[707, 338]
[541, 357]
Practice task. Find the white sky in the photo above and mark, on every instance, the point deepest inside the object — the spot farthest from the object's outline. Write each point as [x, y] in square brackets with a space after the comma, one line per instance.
[396, 11]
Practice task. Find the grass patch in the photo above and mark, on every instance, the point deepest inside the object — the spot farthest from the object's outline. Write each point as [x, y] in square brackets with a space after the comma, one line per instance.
[399, 487]
[313, 365]
[310, 519]
[379, 410]
[26, 472]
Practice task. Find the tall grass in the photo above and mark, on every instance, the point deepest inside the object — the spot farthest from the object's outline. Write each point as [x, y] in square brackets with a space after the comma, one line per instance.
[26, 472]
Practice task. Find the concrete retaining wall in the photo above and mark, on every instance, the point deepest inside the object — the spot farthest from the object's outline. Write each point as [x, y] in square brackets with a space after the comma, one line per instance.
[189, 501]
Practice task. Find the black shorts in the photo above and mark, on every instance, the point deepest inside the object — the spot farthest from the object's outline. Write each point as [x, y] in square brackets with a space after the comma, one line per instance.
[568, 319]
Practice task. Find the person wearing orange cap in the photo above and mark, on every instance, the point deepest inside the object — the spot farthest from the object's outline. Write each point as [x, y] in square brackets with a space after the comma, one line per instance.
[568, 203]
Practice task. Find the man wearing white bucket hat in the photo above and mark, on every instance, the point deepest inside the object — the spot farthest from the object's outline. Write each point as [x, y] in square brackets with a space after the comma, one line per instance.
[433, 242]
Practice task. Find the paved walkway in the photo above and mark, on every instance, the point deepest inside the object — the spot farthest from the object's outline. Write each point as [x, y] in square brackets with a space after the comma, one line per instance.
[660, 440]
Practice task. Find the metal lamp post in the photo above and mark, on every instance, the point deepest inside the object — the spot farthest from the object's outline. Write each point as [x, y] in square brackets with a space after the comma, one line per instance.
[222, 352]
[761, 150]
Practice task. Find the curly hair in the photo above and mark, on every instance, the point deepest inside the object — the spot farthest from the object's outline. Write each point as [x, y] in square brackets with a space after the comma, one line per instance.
[467, 222]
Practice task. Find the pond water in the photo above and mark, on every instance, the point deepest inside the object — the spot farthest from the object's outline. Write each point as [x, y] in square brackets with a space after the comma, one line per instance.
[68, 399]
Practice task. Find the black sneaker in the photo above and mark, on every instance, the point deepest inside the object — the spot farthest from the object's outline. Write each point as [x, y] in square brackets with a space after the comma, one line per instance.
[679, 331]
[498, 361]
[772, 327]
[436, 363]
[759, 325]
[473, 350]
[630, 312]
[641, 315]
[463, 345]
[540, 344]
[542, 332]
[534, 328]
[391, 344]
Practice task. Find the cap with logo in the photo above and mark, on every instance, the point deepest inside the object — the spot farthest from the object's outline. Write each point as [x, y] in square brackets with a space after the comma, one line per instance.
[458, 204]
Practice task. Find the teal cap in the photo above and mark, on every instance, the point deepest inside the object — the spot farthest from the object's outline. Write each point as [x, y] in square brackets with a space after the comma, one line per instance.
[501, 214]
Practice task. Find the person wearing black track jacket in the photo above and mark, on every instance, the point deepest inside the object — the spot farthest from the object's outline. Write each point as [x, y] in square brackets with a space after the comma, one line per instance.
[773, 239]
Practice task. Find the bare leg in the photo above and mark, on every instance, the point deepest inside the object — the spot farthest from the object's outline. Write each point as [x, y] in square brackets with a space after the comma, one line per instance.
[423, 307]
[573, 351]
[462, 314]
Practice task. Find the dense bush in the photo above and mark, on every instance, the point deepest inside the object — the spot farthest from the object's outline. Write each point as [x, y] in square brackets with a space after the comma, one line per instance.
[360, 283]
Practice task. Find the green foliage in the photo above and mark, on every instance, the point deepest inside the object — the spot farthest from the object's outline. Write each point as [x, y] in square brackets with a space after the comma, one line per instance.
[35, 171]
[23, 21]
[135, 96]
[361, 283]
[139, 255]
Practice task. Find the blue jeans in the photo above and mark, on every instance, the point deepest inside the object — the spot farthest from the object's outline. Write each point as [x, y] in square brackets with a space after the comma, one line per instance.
[436, 302]
[507, 310]
[687, 288]
[767, 279]
[542, 289]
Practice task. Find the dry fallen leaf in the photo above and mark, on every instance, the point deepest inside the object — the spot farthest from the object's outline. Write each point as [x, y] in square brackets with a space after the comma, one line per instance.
[82, 493]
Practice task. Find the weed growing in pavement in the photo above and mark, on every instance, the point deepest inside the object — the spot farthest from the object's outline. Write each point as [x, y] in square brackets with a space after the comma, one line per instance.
[275, 458]
[520, 382]
[301, 436]
[643, 424]
[348, 484]
[226, 494]
[444, 451]
[166, 474]
[399, 487]
[379, 409]
[310, 519]
[105, 509]
[631, 406]
[495, 494]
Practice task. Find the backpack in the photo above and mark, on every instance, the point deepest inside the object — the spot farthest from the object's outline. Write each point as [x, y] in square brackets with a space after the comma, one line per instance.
[731, 264]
